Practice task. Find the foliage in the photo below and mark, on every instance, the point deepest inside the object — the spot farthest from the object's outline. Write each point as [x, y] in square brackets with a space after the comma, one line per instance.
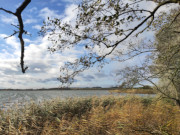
[168, 58]
[105, 30]
[93, 116]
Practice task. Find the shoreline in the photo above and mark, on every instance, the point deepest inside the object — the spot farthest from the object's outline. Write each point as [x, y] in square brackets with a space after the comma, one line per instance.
[56, 89]
[60, 88]
[134, 91]
[111, 90]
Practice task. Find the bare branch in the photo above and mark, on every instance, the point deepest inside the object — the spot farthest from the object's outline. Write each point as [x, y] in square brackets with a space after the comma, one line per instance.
[21, 28]
[15, 32]
[175, 18]
[139, 25]
[7, 11]
[18, 12]
[97, 25]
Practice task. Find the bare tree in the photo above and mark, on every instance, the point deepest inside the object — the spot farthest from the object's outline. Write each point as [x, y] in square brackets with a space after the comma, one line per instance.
[21, 30]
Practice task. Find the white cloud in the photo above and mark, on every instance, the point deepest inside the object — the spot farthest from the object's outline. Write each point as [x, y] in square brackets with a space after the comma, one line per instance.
[37, 69]
[27, 40]
[33, 9]
[72, 1]
[59, 4]
[2, 36]
[11, 41]
[70, 13]
[8, 19]
[151, 6]
[68, 16]
[29, 21]
[9, 65]
[52, 1]
[18, 4]
[43, 66]
[46, 12]
[37, 27]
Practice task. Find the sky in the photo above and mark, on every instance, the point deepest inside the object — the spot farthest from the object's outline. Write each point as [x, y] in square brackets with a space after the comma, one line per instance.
[43, 65]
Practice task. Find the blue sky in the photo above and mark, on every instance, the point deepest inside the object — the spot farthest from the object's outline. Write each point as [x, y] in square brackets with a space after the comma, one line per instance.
[44, 66]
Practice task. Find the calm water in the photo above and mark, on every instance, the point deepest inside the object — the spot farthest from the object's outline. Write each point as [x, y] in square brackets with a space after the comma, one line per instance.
[9, 98]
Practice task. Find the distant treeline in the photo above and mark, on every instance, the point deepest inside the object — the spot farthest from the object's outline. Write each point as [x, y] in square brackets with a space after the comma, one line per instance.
[76, 88]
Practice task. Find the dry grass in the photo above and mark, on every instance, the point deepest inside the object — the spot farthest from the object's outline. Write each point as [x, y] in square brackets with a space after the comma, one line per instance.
[134, 91]
[93, 116]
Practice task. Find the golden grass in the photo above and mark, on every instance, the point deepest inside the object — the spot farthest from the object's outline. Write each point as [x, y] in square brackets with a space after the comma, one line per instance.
[93, 116]
[134, 91]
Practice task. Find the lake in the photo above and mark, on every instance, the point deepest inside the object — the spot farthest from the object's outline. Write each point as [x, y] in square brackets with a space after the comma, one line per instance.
[9, 98]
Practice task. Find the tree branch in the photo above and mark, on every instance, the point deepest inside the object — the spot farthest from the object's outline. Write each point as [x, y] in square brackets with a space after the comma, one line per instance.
[7, 11]
[140, 24]
[18, 12]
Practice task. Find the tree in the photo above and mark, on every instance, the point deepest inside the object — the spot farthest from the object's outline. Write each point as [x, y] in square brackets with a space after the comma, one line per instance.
[163, 63]
[105, 25]
[111, 26]
[20, 28]
[168, 57]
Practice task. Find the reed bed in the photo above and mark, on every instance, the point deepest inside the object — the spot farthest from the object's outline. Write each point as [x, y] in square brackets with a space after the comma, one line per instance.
[93, 116]
[134, 91]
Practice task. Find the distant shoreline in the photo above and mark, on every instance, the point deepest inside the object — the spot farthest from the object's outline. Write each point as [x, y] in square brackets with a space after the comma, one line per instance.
[111, 90]
[57, 89]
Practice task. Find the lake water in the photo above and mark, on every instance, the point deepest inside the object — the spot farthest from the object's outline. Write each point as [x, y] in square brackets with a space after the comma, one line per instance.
[9, 98]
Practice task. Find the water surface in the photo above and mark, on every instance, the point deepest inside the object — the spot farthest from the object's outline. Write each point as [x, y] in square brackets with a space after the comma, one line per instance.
[9, 98]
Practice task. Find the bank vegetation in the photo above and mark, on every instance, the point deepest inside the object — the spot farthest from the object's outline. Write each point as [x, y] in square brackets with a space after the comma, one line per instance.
[93, 116]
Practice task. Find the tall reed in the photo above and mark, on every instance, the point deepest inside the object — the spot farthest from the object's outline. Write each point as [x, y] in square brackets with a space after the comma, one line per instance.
[93, 116]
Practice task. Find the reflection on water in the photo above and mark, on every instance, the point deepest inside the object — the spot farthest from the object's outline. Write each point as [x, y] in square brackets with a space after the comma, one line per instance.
[9, 98]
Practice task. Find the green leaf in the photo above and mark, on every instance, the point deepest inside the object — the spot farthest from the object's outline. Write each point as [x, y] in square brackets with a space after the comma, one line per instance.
[63, 28]
[127, 5]
[104, 18]
[129, 17]
[98, 18]
[117, 23]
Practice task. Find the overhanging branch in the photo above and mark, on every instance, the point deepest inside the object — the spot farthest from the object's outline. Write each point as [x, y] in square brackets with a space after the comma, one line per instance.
[18, 12]
[152, 14]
